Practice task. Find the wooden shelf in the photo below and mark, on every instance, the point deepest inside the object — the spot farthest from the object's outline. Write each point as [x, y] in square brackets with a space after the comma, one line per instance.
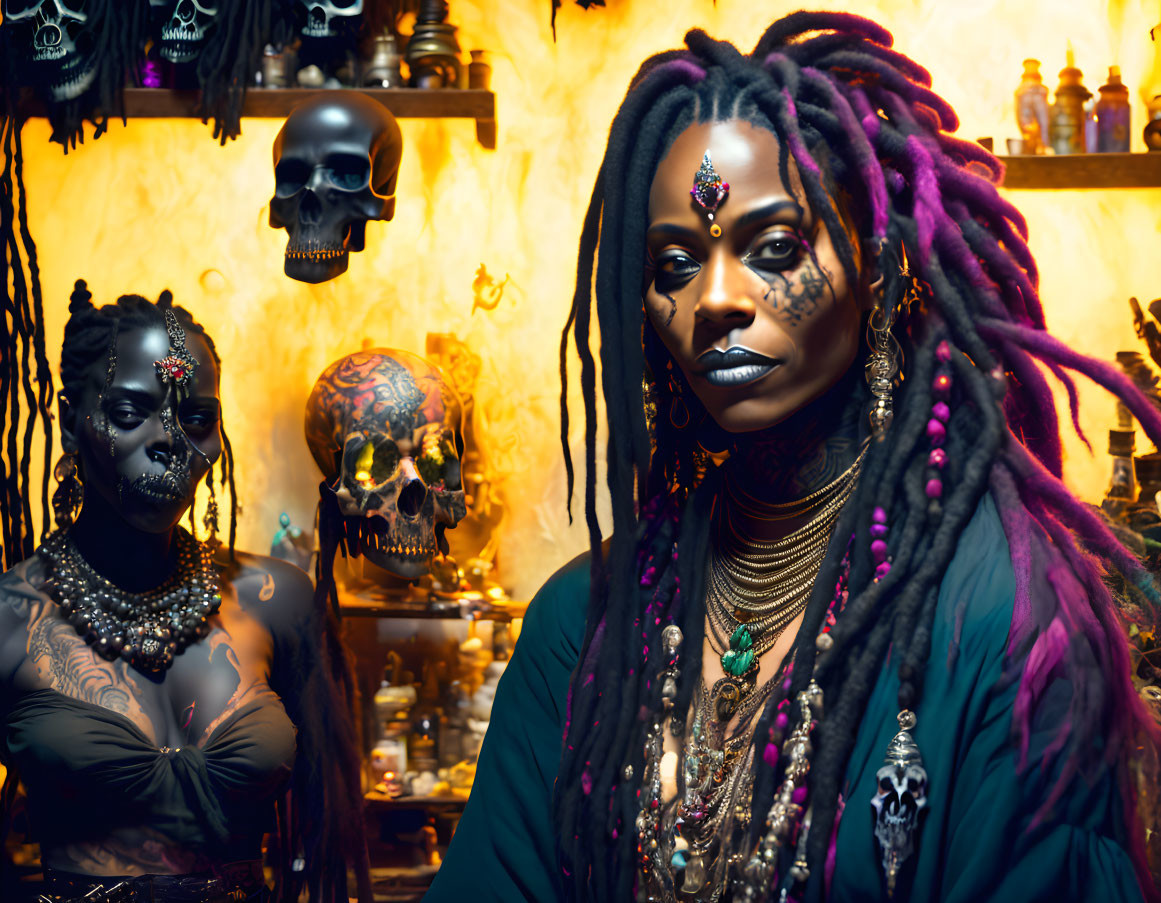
[470, 608]
[1083, 171]
[376, 802]
[276, 103]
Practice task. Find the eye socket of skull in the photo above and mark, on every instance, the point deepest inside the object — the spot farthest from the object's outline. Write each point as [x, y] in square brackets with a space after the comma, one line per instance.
[371, 461]
[348, 172]
[290, 177]
[437, 459]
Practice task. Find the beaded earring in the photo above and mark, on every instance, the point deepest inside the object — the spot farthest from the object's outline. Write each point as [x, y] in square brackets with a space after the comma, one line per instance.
[678, 411]
[67, 498]
[210, 521]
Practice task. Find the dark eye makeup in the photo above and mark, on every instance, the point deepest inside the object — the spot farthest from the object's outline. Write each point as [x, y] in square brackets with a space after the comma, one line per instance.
[773, 252]
[673, 269]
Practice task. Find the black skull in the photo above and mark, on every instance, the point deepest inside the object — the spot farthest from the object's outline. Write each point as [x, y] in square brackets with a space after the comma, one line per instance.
[181, 27]
[336, 162]
[56, 41]
[328, 18]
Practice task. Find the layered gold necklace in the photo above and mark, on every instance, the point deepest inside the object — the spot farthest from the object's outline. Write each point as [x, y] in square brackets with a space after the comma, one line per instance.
[755, 590]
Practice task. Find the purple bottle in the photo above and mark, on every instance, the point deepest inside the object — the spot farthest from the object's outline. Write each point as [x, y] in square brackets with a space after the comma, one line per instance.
[1112, 112]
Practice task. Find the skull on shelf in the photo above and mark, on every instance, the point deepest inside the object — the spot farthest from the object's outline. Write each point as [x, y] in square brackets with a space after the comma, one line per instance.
[55, 39]
[385, 428]
[181, 27]
[327, 18]
[336, 162]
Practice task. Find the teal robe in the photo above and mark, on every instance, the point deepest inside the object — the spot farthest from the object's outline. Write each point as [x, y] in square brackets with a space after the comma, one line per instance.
[975, 843]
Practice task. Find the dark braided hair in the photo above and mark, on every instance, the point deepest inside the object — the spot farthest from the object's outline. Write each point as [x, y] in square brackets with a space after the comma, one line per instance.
[91, 332]
[233, 53]
[861, 123]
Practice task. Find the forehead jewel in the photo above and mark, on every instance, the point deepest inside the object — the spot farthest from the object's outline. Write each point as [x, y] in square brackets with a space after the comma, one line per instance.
[179, 366]
[708, 188]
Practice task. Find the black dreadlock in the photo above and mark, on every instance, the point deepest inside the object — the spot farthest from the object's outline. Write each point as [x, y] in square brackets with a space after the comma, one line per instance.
[114, 40]
[91, 331]
[826, 83]
[233, 53]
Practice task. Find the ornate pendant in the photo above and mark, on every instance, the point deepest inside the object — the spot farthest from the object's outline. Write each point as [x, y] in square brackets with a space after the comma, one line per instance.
[901, 796]
[737, 659]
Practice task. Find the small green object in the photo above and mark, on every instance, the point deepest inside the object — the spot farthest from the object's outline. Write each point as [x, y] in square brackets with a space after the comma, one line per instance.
[737, 659]
[736, 662]
[741, 639]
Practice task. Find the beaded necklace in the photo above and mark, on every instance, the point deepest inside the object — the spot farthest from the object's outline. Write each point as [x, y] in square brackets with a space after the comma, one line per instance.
[146, 629]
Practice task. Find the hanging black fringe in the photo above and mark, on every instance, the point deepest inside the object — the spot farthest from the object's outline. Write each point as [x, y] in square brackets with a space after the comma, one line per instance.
[26, 389]
[233, 53]
[118, 29]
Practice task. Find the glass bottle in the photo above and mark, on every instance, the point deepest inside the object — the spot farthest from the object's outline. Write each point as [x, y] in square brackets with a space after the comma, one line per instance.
[1067, 125]
[392, 703]
[1032, 108]
[1113, 115]
[1123, 484]
[426, 723]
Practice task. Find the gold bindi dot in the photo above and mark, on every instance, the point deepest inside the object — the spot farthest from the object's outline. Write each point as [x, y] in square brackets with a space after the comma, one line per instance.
[715, 230]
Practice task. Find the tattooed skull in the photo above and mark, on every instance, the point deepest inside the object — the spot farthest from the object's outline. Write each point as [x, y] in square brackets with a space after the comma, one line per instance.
[181, 27]
[336, 161]
[901, 796]
[385, 428]
[56, 42]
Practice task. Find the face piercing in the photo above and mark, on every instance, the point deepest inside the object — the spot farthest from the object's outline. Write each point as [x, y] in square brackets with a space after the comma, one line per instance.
[709, 191]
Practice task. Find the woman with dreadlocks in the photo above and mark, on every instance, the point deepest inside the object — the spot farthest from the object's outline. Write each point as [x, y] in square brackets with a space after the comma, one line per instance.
[849, 639]
[159, 699]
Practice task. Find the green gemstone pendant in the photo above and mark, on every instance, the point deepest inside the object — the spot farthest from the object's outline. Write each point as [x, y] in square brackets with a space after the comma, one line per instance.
[737, 659]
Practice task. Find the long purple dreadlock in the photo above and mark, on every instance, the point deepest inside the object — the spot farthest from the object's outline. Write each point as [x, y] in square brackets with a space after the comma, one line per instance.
[856, 117]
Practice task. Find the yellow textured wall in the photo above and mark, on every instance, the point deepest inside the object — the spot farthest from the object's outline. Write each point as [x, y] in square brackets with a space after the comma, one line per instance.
[158, 204]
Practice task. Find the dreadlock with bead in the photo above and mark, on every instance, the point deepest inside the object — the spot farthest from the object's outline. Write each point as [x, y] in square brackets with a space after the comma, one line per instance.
[974, 415]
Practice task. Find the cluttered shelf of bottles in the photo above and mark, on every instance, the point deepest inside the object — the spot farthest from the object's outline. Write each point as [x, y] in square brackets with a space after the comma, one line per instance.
[1080, 140]
[428, 686]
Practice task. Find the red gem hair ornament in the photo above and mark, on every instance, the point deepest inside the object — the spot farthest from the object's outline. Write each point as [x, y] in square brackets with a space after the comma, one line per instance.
[709, 191]
[179, 366]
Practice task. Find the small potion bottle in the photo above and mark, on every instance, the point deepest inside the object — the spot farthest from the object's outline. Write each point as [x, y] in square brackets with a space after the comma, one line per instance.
[1032, 108]
[1113, 114]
